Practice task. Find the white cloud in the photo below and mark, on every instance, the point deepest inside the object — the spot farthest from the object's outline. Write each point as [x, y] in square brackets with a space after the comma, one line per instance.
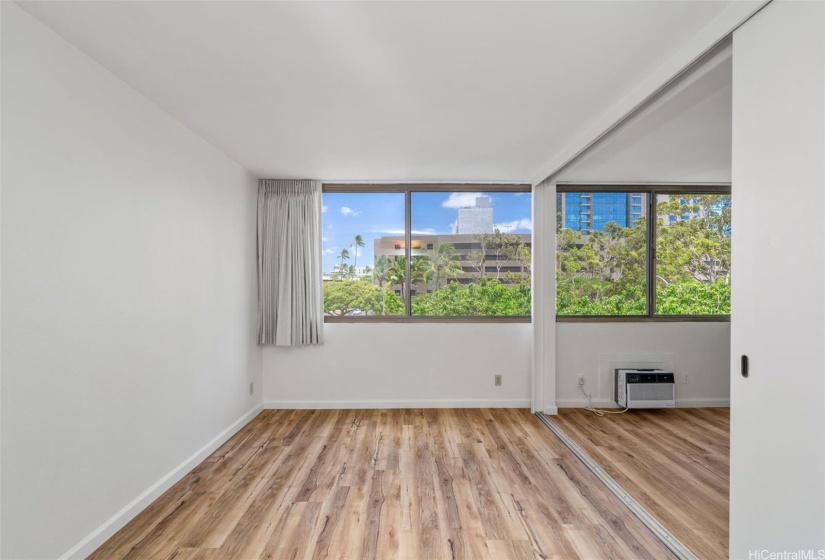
[507, 227]
[324, 209]
[324, 239]
[461, 200]
[347, 211]
[328, 251]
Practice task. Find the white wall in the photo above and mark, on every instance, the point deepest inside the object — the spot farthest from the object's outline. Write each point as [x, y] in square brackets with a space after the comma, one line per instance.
[128, 284]
[388, 365]
[777, 414]
[595, 350]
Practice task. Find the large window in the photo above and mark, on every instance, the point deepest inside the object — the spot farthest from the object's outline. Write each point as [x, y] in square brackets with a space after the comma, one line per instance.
[693, 237]
[613, 260]
[363, 274]
[425, 252]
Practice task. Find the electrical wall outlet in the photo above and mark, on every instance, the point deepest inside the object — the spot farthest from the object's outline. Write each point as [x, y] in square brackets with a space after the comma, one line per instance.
[685, 378]
[581, 382]
[498, 381]
[251, 387]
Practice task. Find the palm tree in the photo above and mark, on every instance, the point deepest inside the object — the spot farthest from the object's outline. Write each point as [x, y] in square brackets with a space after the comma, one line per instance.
[396, 273]
[351, 272]
[421, 270]
[358, 242]
[343, 256]
[445, 263]
[381, 274]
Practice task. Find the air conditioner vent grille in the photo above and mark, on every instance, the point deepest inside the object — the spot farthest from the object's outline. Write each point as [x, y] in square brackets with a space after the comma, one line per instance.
[644, 388]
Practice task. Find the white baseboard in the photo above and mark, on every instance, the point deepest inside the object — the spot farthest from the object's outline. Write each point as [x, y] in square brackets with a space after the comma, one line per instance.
[551, 410]
[703, 403]
[680, 403]
[427, 403]
[100, 535]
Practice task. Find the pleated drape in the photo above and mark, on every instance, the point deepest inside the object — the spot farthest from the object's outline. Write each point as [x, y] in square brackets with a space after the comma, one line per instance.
[290, 293]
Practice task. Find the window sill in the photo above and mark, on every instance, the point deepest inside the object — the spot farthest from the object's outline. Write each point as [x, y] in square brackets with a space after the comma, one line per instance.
[644, 319]
[523, 319]
[402, 319]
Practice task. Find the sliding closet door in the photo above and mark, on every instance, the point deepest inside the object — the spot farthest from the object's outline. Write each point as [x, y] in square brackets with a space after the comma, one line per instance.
[778, 308]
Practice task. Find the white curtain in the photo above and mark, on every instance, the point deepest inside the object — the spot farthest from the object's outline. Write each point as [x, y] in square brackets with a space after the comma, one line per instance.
[290, 293]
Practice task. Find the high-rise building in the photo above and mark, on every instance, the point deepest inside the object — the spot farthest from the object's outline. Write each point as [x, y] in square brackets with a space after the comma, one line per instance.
[475, 219]
[591, 211]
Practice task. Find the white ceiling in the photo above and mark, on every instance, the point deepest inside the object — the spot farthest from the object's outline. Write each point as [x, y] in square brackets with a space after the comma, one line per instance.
[683, 136]
[383, 91]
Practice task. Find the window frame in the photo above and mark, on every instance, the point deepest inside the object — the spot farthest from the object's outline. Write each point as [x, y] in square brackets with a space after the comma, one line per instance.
[408, 189]
[651, 190]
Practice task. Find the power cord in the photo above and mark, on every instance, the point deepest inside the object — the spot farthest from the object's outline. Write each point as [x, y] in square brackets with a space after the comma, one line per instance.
[596, 411]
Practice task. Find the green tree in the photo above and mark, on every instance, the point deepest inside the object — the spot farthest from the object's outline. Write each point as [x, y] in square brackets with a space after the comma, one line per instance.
[396, 274]
[421, 270]
[381, 274]
[697, 248]
[606, 268]
[604, 273]
[693, 248]
[693, 298]
[359, 298]
[502, 247]
[478, 257]
[519, 253]
[526, 261]
[446, 264]
[487, 297]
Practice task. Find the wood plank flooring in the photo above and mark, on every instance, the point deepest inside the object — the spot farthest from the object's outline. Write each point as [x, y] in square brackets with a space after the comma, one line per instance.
[386, 484]
[675, 462]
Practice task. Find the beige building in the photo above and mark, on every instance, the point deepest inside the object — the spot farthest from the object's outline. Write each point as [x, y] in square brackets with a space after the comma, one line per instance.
[497, 260]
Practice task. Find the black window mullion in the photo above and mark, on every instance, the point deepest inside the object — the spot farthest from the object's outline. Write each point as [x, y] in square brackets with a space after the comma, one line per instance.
[651, 253]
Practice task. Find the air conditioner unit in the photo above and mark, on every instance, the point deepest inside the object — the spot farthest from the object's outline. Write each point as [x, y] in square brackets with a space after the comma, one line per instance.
[644, 388]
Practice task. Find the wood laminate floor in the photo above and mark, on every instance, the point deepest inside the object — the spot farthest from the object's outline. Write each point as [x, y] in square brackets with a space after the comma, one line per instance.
[386, 484]
[674, 462]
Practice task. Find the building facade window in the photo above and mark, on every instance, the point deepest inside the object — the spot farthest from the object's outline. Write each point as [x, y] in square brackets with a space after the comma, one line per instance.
[614, 260]
[422, 252]
[591, 211]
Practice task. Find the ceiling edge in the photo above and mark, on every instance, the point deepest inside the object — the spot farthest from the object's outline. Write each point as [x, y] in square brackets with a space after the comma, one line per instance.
[694, 51]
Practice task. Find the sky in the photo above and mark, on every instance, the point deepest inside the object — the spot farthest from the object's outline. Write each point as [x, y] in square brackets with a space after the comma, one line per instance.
[373, 215]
